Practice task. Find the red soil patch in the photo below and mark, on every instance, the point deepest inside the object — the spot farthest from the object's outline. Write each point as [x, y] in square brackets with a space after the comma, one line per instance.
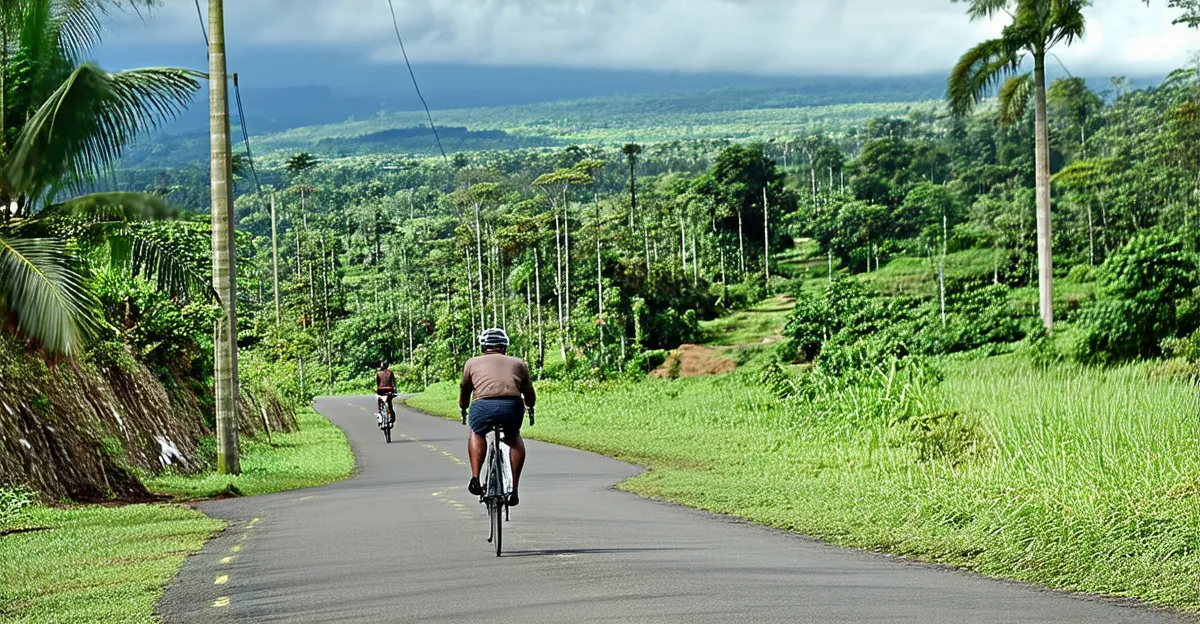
[695, 361]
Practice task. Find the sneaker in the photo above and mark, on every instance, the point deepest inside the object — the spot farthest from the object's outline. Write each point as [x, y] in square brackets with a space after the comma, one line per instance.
[474, 487]
[513, 500]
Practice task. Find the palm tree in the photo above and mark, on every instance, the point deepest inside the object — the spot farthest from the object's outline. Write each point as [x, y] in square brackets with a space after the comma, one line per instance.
[1037, 26]
[225, 351]
[63, 122]
[632, 151]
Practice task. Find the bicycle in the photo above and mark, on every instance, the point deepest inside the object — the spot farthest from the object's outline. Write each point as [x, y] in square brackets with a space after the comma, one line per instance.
[383, 419]
[496, 479]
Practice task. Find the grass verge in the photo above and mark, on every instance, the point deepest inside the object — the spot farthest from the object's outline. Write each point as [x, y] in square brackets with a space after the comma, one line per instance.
[109, 564]
[316, 454]
[1079, 479]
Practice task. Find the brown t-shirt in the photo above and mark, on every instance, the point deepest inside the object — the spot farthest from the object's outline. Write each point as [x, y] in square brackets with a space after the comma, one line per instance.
[495, 375]
[385, 380]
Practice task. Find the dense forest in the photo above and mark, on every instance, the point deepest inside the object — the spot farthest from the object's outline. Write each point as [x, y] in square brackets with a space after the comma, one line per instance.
[600, 254]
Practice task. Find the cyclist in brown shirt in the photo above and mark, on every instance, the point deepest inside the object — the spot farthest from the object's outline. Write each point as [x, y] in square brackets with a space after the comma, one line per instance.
[502, 388]
[385, 386]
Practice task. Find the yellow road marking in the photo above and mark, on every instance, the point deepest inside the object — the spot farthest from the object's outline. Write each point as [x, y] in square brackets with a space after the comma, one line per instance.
[221, 580]
[223, 601]
[236, 549]
[243, 537]
[254, 522]
[304, 498]
[226, 560]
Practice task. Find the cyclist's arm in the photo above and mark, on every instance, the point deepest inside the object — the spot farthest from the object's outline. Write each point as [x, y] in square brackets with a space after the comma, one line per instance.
[465, 388]
[527, 390]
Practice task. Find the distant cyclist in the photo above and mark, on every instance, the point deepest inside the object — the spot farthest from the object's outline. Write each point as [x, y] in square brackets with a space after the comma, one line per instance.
[502, 388]
[385, 386]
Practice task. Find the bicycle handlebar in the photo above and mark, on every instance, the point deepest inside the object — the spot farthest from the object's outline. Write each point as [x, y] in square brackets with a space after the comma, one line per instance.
[531, 417]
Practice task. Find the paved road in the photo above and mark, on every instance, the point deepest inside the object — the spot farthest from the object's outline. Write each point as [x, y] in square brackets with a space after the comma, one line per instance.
[403, 542]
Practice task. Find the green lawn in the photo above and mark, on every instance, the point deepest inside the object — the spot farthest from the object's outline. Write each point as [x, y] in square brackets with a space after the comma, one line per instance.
[1079, 479]
[110, 563]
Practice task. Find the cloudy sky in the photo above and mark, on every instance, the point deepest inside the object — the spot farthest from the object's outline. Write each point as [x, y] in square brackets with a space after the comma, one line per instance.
[765, 37]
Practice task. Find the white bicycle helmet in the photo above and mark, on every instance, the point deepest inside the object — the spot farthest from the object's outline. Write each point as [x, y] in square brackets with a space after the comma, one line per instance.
[494, 338]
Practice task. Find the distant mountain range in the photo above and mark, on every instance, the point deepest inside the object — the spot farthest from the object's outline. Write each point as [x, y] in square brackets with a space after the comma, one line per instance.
[510, 107]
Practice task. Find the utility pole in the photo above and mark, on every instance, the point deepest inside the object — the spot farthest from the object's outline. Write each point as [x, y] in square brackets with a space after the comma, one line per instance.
[225, 361]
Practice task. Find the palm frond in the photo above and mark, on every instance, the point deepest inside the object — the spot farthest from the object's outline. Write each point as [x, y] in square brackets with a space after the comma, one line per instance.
[44, 297]
[978, 72]
[1014, 98]
[1066, 22]
[984, 9]
[119, 207]
[143, 253]
[83, 127]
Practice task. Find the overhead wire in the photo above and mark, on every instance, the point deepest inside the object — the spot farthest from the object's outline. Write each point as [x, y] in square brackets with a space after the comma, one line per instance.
[413, 75]
[203, 29]
[237, 90]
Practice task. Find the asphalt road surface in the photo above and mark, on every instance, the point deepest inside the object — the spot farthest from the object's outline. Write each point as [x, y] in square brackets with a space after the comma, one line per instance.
[403, 541]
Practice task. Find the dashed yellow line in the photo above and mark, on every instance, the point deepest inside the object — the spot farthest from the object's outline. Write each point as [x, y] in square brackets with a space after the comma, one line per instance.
[235, 549]
[221, 602]
[252, 523]
[221, 580]
[226, 560]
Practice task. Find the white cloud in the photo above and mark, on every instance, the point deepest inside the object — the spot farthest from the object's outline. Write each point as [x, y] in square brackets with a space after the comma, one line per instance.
[775, 37]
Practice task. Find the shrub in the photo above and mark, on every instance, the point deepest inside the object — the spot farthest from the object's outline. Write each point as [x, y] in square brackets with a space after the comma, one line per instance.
[1143, 290]
[14, 502]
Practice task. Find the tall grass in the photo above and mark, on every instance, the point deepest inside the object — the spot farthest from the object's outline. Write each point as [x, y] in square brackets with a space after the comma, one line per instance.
[1076, 478]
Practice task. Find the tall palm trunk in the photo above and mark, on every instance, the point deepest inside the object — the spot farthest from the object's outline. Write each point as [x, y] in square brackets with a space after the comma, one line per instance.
[766, 239]
[567, 272]
[632, 191]
[225, 360]
[479, 268]
[741, 245]
[1042, 163]
[470, 298]
[558, 285]
[275, 259]
[599, 280]
[537, 276]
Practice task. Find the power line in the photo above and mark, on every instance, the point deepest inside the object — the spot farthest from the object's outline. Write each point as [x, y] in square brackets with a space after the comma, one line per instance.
[245, 134]
[241, 110]
[203, 29]
[396, 25]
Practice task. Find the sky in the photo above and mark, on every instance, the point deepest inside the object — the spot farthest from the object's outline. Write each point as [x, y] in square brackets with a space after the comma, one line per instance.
[755, 37]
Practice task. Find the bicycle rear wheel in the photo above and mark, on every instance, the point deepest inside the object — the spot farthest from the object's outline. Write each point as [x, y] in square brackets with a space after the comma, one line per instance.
[387, 434]
[497, 520]
[498, 490]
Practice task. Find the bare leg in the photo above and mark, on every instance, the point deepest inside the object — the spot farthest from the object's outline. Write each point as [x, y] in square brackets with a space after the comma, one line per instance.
[476, 448]
[516, 447]
[391, 410]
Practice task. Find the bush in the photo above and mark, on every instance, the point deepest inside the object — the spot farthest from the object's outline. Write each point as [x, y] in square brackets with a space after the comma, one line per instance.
[14, 502]
[1142, 303]
[1082, 274]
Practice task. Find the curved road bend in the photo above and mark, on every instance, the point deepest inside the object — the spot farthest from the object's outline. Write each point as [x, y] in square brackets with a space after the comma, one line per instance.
[402, 541]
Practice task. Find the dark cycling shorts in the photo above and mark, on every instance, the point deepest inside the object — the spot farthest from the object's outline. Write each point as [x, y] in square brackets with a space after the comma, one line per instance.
[385, 393]
[508, 412]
